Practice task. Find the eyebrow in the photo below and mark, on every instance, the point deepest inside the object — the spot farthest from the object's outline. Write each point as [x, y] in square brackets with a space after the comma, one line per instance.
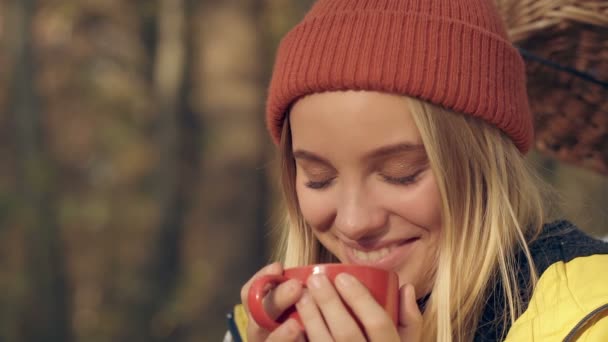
[303, 154]
[389, 150]
[380, 152]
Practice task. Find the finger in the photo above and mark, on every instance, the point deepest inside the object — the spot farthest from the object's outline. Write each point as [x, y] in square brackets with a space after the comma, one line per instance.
[274, 268]
[288, 331]
[254, 331]
[282, 297]
[315, 327]
[340, 322]
[377, 323]
[410, 317]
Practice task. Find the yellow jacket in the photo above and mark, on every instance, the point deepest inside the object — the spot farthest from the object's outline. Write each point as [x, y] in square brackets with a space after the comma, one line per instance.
[569, 303]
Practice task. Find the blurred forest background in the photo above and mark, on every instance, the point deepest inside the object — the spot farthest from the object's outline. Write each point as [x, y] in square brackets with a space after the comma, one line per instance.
[136, 176]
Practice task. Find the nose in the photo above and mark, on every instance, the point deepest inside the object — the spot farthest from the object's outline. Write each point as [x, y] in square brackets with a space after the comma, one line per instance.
[359, 216]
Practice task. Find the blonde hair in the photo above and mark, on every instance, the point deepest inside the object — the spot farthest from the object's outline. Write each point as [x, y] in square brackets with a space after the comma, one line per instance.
[492, 205]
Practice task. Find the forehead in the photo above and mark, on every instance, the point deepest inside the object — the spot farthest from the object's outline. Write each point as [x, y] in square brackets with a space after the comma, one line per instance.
[352, 119]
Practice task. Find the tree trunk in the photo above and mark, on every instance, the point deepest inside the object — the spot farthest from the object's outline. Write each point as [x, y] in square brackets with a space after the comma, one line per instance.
[177, 164]
[46, 313]
[233, 193]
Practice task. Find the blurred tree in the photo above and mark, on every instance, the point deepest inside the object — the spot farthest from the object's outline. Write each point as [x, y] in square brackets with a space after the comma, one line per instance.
[94, 76]
[176, 136]
[46, 308]
[228, 243]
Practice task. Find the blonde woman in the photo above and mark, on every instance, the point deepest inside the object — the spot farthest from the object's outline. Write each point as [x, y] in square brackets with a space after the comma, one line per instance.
[402, 127]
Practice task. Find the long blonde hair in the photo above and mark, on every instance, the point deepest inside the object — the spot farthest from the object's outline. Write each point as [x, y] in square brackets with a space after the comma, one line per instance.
[492, 205]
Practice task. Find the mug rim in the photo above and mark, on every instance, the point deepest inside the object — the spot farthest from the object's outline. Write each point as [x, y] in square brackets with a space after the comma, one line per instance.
[336, 265]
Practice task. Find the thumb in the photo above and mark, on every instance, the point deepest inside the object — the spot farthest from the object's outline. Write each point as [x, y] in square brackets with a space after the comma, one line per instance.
[410, 317]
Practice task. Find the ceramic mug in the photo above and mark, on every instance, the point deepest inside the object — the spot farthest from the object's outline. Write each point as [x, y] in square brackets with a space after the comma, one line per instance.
[383, 286]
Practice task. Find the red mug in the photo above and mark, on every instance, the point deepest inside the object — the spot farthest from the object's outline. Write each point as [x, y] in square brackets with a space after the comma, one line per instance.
[383, 286]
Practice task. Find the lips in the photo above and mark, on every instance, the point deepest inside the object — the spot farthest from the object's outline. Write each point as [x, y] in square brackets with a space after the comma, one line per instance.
[387, 256]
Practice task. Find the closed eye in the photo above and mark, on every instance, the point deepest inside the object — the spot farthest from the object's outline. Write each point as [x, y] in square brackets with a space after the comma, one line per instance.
[319, 185]
[407, 180]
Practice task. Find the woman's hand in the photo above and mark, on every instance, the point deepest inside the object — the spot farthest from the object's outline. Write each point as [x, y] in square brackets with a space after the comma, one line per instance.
[276, 301]
[326, 318]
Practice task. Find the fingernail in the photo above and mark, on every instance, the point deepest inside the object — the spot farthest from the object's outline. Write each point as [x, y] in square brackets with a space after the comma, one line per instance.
[345, 279]
[275, 267]
[305, 298]
[316, 281]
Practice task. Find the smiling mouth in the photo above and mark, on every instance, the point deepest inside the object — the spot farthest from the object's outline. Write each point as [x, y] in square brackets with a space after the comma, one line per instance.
[387, 256]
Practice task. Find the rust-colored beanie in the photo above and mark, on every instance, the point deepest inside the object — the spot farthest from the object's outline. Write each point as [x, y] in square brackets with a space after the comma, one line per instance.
[453, 53]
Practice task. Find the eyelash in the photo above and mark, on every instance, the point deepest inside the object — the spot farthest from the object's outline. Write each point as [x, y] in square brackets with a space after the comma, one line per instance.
[397, 181]
[402, 180]
[318, 185]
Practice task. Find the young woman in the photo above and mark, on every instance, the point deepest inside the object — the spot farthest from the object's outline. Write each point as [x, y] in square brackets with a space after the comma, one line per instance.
[402, 127]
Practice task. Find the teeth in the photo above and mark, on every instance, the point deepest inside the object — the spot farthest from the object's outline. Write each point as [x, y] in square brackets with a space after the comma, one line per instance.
[371, 256]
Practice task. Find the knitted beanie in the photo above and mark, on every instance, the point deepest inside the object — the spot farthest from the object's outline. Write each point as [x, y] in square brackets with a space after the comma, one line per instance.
[453, 53]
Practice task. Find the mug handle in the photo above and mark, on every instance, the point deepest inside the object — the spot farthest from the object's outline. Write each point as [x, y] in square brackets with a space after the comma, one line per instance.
[257, 292]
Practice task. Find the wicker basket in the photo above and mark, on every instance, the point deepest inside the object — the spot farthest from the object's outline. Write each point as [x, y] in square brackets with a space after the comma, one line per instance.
[565, 44]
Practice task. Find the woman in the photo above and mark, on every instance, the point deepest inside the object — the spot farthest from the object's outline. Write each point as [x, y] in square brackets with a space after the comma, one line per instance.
[402, 127]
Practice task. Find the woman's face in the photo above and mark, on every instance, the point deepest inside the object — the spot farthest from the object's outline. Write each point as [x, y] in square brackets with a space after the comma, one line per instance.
[364, 184]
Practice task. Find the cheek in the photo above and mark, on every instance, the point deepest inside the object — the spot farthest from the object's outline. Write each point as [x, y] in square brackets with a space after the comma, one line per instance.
[317, 207]
[421, 205]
